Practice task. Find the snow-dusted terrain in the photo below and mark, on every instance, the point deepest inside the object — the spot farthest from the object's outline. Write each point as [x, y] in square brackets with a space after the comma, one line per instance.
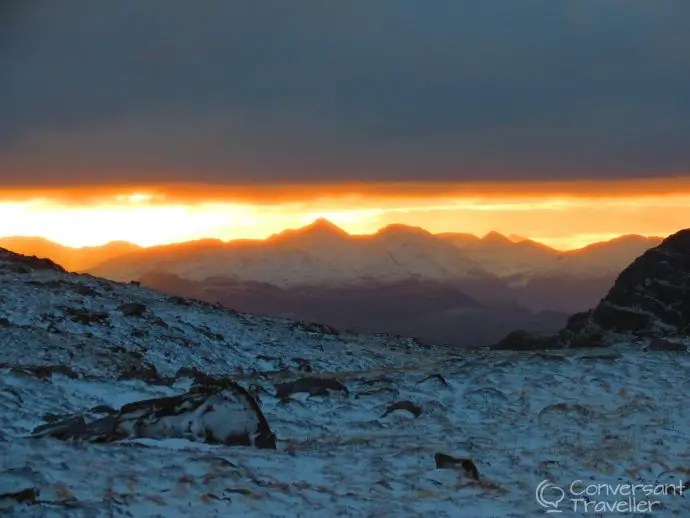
[319, 254]
[611, 416]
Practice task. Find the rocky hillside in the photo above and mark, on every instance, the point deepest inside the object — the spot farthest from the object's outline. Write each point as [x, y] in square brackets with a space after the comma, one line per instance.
[116, 400]
[650, 300]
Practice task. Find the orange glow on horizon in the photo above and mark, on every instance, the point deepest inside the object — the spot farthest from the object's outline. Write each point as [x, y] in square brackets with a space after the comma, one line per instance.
[564, 215]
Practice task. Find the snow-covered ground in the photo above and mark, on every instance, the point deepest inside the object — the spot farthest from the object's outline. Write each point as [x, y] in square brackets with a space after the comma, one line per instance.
[613, 416]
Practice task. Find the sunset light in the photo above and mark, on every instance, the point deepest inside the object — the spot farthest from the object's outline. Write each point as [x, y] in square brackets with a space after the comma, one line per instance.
[559, 219]
[344, 258]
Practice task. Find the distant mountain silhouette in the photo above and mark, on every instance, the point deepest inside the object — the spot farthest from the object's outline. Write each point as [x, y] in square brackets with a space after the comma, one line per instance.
[451, 287]
[72, 259]
[319, 254]
[539, 276]
[321, 228]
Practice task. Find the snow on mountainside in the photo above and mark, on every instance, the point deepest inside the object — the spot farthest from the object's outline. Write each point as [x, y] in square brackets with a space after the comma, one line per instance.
[370, 440]
[323, 254]
[319, 254]
[522, 260]
[609, 257]
[502, 256]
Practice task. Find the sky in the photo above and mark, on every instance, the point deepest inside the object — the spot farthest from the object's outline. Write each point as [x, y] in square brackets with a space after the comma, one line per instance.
[267, 113]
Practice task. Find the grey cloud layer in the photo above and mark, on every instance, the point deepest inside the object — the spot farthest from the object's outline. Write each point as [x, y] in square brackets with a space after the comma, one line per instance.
[304, 90]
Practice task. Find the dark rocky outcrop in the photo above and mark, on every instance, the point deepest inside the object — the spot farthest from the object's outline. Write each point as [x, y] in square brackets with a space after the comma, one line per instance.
[86, 317]
[444, 461]
[25, 263]
[25, 496]
[652, 295]
[132, 309]
[216, 414]
[440, 379]
[309, 385]
[409, 406]
[145, 372]
[315, 327]
[650, 299]
[44, 372]
[70, 428]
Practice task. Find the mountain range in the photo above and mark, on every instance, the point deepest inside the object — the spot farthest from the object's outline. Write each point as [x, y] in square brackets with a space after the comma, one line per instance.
[445, 288]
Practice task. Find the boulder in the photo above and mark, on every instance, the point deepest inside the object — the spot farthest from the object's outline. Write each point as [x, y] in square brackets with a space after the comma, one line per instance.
[219, 414]
[409, 406]
[132, 309]
[310, 385]
[444, 461]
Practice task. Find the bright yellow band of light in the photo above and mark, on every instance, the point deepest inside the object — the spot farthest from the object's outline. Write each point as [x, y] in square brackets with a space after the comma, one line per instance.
[153, 216]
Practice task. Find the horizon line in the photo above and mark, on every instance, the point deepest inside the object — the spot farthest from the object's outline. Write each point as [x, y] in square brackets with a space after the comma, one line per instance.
[513, 238]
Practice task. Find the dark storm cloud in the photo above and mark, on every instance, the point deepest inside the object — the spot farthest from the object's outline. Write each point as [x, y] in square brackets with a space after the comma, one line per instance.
[273, 90]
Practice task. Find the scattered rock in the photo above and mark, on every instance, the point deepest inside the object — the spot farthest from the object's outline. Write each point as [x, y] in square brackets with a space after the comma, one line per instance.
[444, 461]
[70, 428]
[82, 289]
[225, 414]
[415, 410]
[199, 377]
[49, 417]
[135, 283]
[86, 317]
[145, 372]
[377, 380]
[377, 391]
[310, 385]
[54, 329]
[25, 496]
[158, 321]
[313, 327]
[44, 372]
[438, 377]
[601, 357]
[103, 409]
[180, 301]
[132, 309]
[302, 364]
